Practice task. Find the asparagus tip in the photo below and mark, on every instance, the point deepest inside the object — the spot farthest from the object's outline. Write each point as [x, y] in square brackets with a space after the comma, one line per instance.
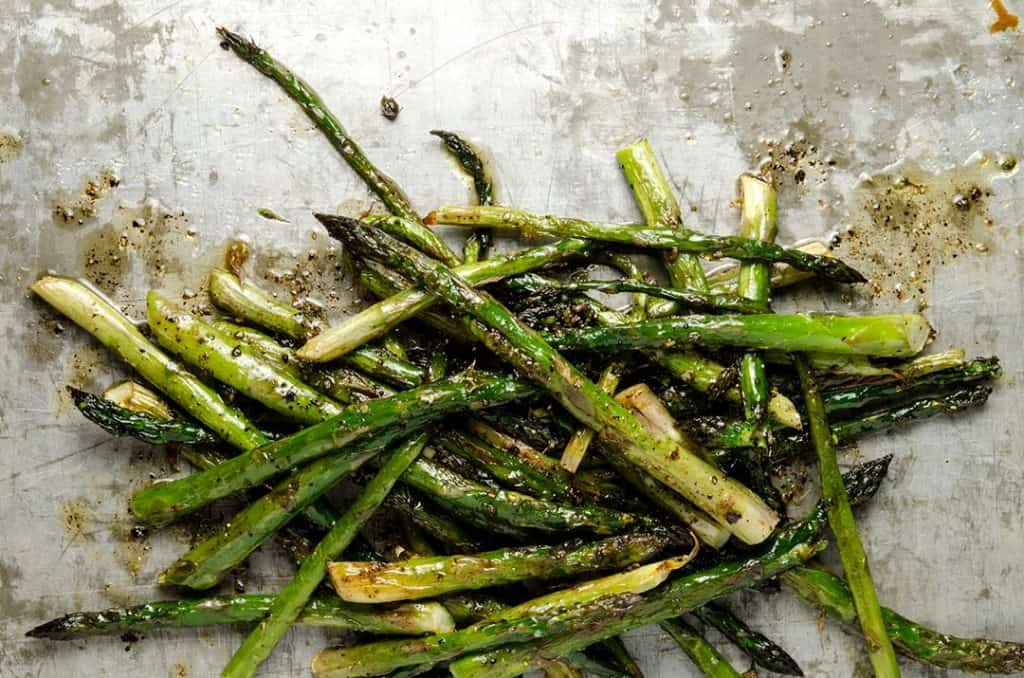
[55, 629]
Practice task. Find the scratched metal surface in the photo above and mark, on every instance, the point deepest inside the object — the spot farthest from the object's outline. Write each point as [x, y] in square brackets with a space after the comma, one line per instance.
[142, 89]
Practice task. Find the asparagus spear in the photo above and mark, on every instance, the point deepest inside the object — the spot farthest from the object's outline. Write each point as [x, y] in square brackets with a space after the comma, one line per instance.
[724, 278]
[381, 317]
[745, 514]
[207, 563]
[472, 164]
[304, 95]
[576, 449]
[532, 225]
[412, 231]
[841, 520]
[507, 467]
[251, 304]
[236, 364]
[879, 335]
[793, 546]
[911, 639]
[706, 528]
[616, 649]
[435, 524]
[326, 611]
[344, 384]
[541, 616]
[724, 302]
[430, 577]
[660, 210]
[513, 513]
[124, 421]
[862, 396]
[97, 317]
[757, 646]
[677, 597]
[120, 421]
[384, 418]
[248, 302]
[567, 483]
[702, 653]
[759, 222]
[288, 604]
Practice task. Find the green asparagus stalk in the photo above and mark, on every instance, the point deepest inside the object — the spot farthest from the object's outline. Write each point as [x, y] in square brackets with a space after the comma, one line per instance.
[304, 95]
[633, 274]
[507, 467]
[252, 304]
[120, 421]
[848, 430]
[436, 525]
[703, 375]
[513, 513]
[207, 563]
[431, 577]
[636, 235]
[592, 667]
[326, 611]
[97, 317]
[660, 210]
[570, 486]
[911, 639]
[288, 604]
[761, 650]
[381, 317]
[955, 401]
[384, 418]
[236, 364]
[745, 514]
[706, 528]
[862, 396]
[344, 384]
[726, 302]
[844, 527]
[880, 335]
[725, 278]
[759, 222]
[541, 616]
[677, 597]
[412, 231]
[651, 412]
[470, 161]
[703, 654]
[616, 649]
[576, 449]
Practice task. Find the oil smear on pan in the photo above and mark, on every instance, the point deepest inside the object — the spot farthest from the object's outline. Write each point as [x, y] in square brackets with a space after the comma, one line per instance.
[10, 146]
[905, 221]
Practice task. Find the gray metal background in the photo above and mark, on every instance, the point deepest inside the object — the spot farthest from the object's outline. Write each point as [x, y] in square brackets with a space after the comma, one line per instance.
[554, 88]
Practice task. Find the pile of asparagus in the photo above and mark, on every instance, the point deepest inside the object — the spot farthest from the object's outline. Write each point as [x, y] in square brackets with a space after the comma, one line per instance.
[552, 471]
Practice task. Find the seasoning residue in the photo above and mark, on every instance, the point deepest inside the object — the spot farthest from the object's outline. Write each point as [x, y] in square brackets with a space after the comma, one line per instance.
[905, 221]
[77, 209]
[131, 547]
[10, 146]
[75, 516]
[1004, 19]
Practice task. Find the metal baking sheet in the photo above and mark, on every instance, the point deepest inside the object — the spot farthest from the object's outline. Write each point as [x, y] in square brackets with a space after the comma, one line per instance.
[829, 94]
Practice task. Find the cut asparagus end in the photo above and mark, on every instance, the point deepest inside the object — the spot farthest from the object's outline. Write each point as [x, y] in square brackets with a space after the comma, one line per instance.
[133, 396]
[755, 517]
